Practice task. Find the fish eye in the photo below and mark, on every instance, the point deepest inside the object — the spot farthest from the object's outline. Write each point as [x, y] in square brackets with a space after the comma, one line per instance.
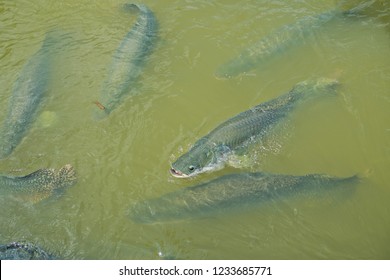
[191, 167]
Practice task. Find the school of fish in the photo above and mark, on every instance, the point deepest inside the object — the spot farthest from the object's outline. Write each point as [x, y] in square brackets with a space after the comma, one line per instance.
[207, 154]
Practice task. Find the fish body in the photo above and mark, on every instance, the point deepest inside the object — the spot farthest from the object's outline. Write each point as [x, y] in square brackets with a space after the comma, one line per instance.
[212, 150]
[28, 94]
[128, 60]
[38, 185]
[23, 251]
[231, 191]
[273, 44]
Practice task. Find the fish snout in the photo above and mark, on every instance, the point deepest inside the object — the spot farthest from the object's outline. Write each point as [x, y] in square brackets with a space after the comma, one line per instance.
[177, 173]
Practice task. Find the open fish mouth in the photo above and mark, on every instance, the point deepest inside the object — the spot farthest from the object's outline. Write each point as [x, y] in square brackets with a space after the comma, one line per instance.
[177, 173]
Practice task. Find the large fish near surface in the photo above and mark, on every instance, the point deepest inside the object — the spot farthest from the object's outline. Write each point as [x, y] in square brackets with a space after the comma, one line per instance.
[212, 150]
[275, 43]
[128, 60]
[27, 96]
[38, 185]
[23, 251]
[233, 191]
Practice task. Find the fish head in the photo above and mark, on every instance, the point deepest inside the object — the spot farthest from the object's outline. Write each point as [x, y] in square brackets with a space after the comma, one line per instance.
[184, 171]
[318, 85]
[195, 161]
[325, 83]
[225, 72]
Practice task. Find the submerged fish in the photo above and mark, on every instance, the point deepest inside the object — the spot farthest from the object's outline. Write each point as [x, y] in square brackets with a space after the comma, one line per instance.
[27, 96]
[276, 42]
[38, 185]
[128, 60]
[212, 150]
[23, 251]
[231, 191]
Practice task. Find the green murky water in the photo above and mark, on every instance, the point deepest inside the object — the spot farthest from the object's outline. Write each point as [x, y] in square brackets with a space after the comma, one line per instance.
[126, 157]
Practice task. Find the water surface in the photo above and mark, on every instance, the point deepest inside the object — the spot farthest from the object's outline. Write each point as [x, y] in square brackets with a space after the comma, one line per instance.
[126, 157]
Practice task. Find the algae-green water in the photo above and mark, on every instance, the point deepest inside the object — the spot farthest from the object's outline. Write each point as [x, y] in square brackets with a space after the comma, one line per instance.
[126, 157]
